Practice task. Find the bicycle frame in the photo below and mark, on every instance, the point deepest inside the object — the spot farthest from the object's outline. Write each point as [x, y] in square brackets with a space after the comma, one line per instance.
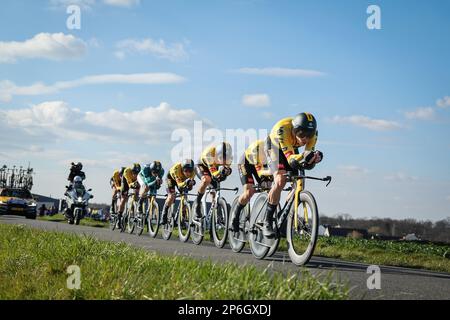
[217, 192]
[182, 201]
[299, 187]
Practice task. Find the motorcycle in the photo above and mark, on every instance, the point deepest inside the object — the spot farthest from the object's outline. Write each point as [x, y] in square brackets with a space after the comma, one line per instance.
[77, 200]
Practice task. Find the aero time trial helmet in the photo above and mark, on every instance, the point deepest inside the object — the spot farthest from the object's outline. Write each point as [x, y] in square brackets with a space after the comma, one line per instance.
[155, 166]
[188, 164]
[136, 168]
[224, 153]
[305, 125]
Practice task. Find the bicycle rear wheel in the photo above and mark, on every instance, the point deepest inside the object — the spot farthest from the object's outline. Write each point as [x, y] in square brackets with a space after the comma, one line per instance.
[153, 218]
[168, 227]
[219, 221]
[197, 228]
[237, 240]
[113, 216]
[302, 236]
[259, 244]
[131, 214]
[184, 228]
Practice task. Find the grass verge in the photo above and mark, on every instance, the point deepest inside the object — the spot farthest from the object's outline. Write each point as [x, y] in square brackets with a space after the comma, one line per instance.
[33, 265]
[84, 222]
[389, 253]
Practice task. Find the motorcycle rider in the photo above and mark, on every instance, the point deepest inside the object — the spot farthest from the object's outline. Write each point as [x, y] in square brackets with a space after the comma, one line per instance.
[75, 171]
[77, 184]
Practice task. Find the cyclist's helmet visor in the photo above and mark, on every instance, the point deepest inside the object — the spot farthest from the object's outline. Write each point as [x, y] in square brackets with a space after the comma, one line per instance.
[301, 133]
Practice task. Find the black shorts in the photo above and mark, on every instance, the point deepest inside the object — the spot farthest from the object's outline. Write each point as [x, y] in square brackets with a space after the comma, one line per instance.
[171, 184]
[202, 170]
[124, 186]
[276, 158]
[247, 172]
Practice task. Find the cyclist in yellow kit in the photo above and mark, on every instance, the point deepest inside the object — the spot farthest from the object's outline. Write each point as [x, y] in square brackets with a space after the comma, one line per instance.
[286, 137]
[212, 168]
[129, 180]
[181, 176]
[252, 166]
[115, 182]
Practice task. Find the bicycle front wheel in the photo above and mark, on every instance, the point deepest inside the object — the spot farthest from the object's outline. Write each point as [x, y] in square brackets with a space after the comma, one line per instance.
[168, 227]
[184, 228]
[131, 214]
[237, 240]
[220, 223]
[301, 235]
[153, 218]
[197, 228]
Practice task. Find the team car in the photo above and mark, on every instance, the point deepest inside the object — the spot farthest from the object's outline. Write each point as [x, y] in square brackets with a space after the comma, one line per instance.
[19, 202]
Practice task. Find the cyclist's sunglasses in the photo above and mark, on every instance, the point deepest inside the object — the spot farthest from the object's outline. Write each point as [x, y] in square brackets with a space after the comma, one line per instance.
[305, 134]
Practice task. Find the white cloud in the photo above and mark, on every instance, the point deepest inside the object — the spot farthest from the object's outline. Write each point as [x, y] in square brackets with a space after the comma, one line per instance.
[89, 4]
[63, 4]
[425, 113]
[366, 122]
[158, 48]
[444, 102]
[281, 72]
[400, 176]
[55, 120]
[352, 170]
[9, 89]
[256, 100]
[56, 46]
[268, 115]
[122, 3]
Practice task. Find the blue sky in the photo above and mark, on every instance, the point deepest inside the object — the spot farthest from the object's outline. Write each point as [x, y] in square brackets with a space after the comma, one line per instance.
[379, 95]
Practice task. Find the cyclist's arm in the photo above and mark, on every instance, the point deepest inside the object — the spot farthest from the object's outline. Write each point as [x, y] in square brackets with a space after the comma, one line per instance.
[150, 182]
[128, 177]
[263, 171]
[209, 160]
[286, 147]
[311, 146]
[179, 178]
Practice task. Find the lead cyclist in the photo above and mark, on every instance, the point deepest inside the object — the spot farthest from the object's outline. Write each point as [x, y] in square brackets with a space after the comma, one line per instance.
[282, 151]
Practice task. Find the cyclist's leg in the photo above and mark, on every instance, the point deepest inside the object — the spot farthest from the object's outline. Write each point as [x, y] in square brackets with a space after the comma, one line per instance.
[278, 166]
[171, 184]
[143, 189]
[114, 190]
[124, 190]
[205, 180]
[246, 173]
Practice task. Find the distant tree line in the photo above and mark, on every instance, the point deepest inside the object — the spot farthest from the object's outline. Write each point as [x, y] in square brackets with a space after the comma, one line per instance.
[438, 231]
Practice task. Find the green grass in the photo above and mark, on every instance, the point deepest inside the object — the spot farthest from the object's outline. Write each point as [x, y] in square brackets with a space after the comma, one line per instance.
[33, 265]
[391, 253]
[84, 222]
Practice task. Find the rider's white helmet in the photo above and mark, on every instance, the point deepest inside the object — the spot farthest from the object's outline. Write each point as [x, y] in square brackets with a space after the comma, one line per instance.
[224, 153]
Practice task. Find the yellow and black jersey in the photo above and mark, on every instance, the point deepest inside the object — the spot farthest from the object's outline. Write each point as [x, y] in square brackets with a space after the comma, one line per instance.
[282, 135]
[129, 176]
[176, 172]
[208, 159]
[256, 156]
[116, 179]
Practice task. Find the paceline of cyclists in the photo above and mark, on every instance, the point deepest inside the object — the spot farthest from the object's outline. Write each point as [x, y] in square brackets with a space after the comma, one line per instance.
[264, 164]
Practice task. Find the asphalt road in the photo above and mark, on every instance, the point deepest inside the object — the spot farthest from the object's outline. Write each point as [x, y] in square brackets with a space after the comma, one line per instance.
[396, 283]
